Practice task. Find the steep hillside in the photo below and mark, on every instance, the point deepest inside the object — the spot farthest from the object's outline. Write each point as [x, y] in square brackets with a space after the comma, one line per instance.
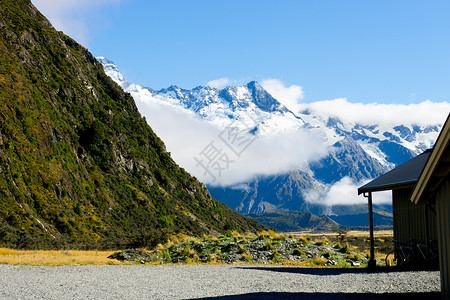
[79, 166]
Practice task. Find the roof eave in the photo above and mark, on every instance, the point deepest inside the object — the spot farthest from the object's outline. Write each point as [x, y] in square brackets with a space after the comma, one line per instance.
[387, 187]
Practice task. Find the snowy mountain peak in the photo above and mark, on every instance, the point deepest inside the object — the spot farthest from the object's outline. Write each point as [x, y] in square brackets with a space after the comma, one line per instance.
[112, 71]
[354, 146]
[252, 105]
[249, 103]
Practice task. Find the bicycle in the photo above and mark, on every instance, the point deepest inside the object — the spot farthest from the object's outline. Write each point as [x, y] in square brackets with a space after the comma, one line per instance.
[414, 253]
[427, 253]
[404, 256]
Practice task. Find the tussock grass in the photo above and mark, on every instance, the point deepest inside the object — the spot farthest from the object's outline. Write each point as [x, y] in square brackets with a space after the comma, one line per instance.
[298, 252]
[303, 241]
[345, 249]
[269, 246]
[320, 261]
[321, 242]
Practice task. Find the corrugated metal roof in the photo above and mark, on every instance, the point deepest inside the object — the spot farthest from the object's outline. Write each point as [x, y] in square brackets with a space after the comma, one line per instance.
[404, 175]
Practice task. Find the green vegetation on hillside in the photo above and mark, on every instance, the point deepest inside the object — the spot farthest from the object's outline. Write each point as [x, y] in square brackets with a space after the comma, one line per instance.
[79, 166]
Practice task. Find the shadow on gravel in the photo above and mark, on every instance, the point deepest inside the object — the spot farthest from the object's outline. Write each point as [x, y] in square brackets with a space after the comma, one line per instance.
[331, 296]
[326, 271]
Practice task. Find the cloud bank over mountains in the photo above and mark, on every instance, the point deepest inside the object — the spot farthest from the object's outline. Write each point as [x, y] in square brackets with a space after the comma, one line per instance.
[289, 96]
[279, 142]
[425, 113]
[187, 137]
[344, 192]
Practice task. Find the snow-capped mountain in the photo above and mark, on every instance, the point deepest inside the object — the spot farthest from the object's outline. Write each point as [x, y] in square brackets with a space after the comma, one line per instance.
[355, 151]
[250, 104]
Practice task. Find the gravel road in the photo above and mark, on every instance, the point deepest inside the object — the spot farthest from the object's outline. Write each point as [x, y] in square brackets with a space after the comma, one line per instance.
[212, 282]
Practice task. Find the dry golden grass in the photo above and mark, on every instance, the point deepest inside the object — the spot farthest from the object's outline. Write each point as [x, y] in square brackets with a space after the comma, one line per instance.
[56, 257]
[350, 233]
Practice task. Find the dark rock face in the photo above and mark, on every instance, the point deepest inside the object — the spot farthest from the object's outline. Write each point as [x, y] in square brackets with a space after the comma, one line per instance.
[347, 159]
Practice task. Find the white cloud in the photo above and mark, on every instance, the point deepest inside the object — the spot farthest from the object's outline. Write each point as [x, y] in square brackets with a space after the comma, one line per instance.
[424, 113]
[344, 192]
[186, 137]
[69, 16]
[288, 96]
[219, 83]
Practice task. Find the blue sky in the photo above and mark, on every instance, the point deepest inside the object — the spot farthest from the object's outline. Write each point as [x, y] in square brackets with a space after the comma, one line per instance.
[365, 51]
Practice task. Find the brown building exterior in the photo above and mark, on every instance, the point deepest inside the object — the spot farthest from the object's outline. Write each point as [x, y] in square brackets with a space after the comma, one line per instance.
[433, 187]
[421, 201]
[411, 222]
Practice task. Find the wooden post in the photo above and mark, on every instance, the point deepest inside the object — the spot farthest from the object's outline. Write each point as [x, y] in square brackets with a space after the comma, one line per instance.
[427, 232]
[372, 262]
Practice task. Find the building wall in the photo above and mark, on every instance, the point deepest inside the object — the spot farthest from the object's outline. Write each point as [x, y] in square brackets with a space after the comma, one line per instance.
[442, 197]
[410, 219]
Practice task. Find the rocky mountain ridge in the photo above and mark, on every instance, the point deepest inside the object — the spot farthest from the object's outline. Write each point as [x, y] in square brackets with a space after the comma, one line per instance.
[356, 151]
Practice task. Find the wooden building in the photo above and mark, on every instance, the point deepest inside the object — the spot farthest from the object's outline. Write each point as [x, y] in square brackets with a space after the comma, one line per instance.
[420, 201]
[433, 187]
[411, 222]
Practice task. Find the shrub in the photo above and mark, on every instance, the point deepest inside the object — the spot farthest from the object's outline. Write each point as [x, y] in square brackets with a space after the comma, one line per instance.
[166, 255]
[246, 257]
[298, 252]
[356, 258]
[272, 233]
[326, 254]
[303, 241]
[320, 243]
[275, 254]
[242, 250]
[188, 252]
[269, 246]
[236, 235]
[159, 248]
[264, 235]
[214, 257]
[320, 261]
[345, 249]
[279, 237]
